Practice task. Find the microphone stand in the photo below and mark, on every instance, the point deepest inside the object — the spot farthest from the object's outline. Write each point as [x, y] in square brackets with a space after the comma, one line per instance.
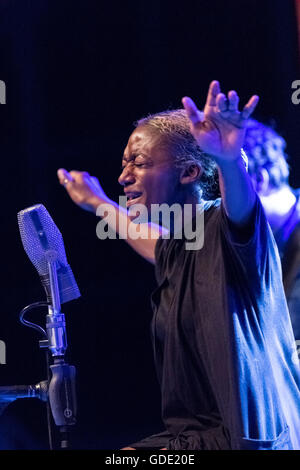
[59, 391]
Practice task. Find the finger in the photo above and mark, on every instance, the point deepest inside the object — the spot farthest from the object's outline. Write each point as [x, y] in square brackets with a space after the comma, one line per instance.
[213, 91]
[233, 101]
[85, 175]
[64, 176]
[75, 174]
[221, 102]
[95, 181]
[79, 176]
[191, 109]
[250, 107]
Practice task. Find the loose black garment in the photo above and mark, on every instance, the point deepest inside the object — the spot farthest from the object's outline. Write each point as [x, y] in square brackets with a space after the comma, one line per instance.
[223, 343]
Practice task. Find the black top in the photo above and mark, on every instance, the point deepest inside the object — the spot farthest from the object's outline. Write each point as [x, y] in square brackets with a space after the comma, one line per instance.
[223, 343]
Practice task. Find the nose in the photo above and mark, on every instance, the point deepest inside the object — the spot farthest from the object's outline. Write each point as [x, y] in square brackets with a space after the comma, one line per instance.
[126, 177]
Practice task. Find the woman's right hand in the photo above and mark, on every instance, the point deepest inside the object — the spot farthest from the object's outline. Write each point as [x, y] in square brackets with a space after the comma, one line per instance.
[83, 189]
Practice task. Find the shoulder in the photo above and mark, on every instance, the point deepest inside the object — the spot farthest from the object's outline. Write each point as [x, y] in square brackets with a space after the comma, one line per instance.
[257, 227]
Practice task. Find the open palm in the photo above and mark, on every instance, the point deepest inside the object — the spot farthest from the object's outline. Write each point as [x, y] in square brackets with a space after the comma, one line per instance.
[220, 128]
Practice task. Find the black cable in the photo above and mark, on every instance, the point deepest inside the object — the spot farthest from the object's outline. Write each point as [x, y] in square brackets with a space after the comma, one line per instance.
[28, 323]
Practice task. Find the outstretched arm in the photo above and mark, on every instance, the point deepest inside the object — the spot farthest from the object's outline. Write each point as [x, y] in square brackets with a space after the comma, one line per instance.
[220, 132]
[86, 192]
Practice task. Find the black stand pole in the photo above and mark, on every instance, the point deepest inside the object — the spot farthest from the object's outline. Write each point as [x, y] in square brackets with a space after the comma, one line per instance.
[59, 390]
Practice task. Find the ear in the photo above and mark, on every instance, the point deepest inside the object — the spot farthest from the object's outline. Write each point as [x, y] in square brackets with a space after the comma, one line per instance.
[263, 182]
[190, 173]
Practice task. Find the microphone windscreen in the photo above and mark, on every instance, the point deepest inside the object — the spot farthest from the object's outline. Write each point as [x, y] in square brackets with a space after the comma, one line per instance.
[43, 241]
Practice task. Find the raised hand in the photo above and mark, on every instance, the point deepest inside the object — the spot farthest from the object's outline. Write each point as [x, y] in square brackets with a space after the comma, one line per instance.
[83, 189]
[220, 128]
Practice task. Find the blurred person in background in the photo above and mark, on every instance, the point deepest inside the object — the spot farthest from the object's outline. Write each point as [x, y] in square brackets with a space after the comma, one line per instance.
[269, 170]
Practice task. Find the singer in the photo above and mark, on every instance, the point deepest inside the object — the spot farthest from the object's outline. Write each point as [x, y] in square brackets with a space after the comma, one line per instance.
[222, 337]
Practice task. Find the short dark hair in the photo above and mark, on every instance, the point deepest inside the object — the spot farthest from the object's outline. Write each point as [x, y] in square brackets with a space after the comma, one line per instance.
[265, 148]
[174, 127]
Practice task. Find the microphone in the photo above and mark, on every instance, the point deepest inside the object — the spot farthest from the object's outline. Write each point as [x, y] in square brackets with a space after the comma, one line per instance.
[44, 246]
[42, 240]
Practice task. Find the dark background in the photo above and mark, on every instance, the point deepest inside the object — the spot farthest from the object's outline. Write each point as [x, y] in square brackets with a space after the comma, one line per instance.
[78, 73]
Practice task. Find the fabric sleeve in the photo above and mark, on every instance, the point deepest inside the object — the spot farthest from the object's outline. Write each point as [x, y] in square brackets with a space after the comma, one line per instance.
[257, 252]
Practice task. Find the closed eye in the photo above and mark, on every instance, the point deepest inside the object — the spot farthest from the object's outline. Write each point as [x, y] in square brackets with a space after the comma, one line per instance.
[133, 163]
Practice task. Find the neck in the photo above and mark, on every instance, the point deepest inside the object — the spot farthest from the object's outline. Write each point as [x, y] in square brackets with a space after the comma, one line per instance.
[193, 199]
[190, 203]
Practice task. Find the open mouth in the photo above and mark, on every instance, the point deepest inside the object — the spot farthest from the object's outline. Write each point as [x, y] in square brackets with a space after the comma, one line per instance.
[132, 198]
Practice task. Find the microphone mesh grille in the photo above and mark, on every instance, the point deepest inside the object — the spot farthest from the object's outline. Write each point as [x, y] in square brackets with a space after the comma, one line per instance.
[41, 239]
[39, 234]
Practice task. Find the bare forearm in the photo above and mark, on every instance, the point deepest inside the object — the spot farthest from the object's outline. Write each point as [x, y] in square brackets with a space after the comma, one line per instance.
[86, 192]
[236, 190]
[141, 237]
